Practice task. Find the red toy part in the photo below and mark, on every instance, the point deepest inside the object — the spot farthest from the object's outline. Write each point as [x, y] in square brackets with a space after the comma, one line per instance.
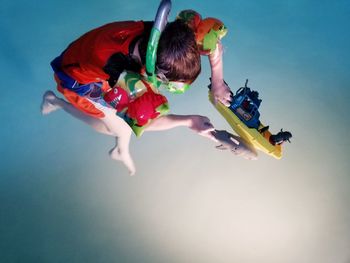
[117, 97]
[144, 108]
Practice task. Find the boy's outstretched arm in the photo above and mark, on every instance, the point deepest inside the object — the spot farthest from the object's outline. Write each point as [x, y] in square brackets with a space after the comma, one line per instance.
[221, 92]
[197, 123]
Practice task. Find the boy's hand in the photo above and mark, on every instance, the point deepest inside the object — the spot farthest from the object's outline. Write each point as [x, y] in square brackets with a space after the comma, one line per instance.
[202, 126]
[221, 92]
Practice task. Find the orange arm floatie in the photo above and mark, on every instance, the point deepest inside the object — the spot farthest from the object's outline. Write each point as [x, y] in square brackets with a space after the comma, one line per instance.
[207, 31]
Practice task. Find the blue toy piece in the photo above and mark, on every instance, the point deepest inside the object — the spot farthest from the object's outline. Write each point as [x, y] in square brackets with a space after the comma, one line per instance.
[245, 105]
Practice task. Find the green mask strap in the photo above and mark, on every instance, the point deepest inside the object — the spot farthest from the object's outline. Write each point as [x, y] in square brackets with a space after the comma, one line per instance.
[158, 26]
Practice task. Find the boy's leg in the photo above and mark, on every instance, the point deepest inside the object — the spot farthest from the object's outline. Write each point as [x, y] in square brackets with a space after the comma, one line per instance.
[111, 125]
[52, 103]
[123, 133]
[48, 103]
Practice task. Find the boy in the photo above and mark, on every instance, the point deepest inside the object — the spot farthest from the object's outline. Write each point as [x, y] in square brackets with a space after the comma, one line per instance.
[91, 67]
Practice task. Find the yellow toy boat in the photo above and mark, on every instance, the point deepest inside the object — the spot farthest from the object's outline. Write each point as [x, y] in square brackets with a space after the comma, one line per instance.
[239, 118]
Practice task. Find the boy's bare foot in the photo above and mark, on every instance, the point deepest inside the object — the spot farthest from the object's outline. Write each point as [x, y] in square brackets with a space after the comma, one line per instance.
[48, 104]
[125, 158]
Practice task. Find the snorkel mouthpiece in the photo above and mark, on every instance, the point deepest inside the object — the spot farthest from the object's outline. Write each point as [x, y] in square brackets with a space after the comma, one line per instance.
[158, 26]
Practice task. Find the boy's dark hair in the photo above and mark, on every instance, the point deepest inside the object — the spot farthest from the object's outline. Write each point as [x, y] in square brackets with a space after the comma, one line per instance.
[178, 56]
[117, 63]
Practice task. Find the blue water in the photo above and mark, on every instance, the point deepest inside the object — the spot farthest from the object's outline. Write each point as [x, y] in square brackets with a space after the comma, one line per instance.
[63, 200]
